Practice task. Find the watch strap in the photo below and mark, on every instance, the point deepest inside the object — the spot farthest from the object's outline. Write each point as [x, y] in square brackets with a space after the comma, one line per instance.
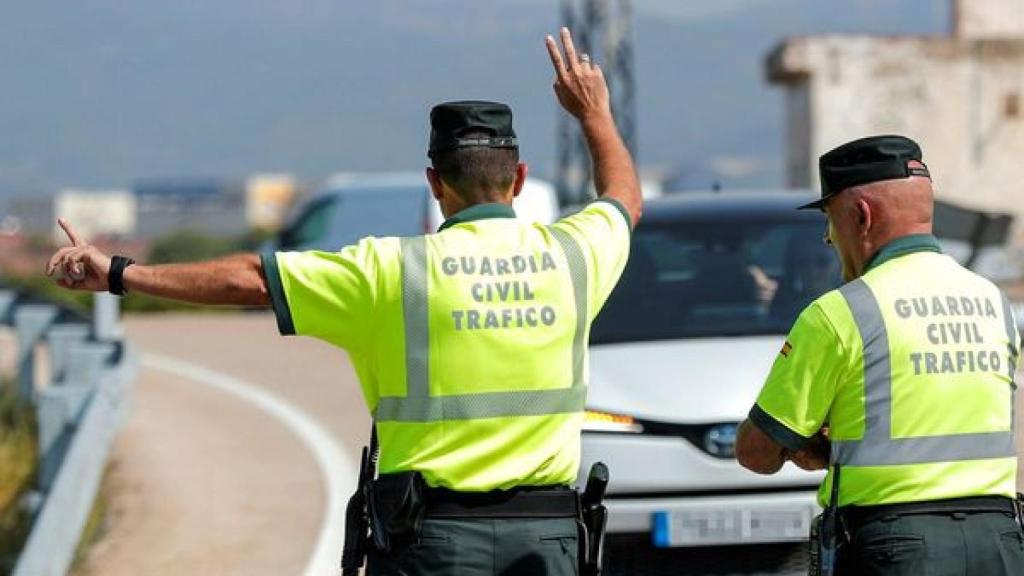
[115, 278]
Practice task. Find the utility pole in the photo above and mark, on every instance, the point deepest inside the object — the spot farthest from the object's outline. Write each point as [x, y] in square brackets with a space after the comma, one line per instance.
[604, 30]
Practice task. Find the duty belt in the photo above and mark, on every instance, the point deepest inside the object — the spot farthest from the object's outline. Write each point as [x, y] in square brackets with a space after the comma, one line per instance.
[856, 516]
[539, 502]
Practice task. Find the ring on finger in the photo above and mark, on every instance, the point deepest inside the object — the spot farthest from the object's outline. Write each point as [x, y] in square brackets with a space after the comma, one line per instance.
[585, 58]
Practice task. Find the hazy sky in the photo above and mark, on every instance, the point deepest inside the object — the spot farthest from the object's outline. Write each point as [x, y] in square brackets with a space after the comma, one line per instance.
[105, 92]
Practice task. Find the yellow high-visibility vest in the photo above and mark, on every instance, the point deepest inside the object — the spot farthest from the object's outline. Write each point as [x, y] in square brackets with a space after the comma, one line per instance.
[911, 366]
[469, 344]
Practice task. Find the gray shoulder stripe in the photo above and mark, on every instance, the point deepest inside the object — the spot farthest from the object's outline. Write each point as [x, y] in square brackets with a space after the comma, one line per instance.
[877, 364]
[1013, 349]
[1011, 336]
[416, 317]
[578, 273]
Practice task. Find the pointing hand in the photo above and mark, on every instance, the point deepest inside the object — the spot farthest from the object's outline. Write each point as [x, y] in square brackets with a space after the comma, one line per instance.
[80, 266]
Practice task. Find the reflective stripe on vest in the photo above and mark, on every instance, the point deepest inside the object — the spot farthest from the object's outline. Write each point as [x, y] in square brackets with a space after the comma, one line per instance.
[419, 406]
[1011, 332]
[1012, 347]
[878, 447]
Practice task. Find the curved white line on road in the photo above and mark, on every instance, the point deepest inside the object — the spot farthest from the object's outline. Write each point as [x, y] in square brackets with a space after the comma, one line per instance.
[338, 471]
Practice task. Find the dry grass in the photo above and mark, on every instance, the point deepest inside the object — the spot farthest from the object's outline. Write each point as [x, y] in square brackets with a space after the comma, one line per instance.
[95, 524]
[18, 458]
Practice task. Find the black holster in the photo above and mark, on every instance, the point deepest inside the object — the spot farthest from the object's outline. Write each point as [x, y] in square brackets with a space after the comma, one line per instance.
[395, 505]
[827, 535]
[354, 553]
[1018, 508]
[593, 523]
[356, 521]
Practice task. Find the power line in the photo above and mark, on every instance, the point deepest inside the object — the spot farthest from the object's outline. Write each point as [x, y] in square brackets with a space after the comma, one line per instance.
[603, 29]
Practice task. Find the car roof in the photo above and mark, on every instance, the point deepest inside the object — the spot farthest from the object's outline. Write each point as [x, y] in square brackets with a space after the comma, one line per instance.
[383, 180]
[732, 205]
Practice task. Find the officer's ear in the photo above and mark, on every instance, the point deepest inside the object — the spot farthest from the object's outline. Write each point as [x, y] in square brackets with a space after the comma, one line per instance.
[436, 186]
[521, 171]
[864, 219]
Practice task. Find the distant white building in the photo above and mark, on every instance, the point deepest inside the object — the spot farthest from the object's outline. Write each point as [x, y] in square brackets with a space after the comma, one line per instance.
[96, 212]
[961, 97]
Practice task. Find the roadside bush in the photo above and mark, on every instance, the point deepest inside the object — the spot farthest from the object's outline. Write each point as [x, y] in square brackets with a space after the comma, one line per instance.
[187, 245]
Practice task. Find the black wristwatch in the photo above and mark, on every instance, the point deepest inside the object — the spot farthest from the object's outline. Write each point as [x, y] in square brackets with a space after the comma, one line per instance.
[115, 278]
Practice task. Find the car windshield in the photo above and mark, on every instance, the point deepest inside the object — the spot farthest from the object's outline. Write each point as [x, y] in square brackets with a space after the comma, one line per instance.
[706, 279]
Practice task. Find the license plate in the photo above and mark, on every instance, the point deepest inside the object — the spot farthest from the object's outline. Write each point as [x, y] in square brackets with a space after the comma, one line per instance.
[710, 526]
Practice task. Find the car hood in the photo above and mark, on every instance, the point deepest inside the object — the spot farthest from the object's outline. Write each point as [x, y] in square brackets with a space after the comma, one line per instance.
[695, 381]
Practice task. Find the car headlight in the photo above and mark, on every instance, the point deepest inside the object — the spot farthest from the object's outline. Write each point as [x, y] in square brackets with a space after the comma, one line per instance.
[596, 421]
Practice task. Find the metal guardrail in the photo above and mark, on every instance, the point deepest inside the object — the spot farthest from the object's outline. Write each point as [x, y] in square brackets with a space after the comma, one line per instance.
[87, 398]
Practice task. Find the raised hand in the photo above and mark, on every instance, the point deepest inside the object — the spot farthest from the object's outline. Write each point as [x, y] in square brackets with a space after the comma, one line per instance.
[80, 266]
[579, 83]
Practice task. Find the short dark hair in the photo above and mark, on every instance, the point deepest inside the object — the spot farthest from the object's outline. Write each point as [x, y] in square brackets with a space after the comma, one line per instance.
[477, 172]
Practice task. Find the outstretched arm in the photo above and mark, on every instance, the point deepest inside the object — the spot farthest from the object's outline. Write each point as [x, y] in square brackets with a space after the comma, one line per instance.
[583, 92]
[237, 279]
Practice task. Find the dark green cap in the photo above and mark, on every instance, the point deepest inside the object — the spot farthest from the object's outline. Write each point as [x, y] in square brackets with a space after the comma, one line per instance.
[864, 161]
[451, 121]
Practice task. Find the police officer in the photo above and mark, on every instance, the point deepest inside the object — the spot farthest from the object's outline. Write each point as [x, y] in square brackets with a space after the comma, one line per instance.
[901, 380]
[469, 344]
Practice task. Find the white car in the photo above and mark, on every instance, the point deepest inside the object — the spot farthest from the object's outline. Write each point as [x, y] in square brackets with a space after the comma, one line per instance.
[677, 358]
[354, 205]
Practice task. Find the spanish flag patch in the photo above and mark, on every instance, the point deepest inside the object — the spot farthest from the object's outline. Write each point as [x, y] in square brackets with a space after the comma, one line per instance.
[786, 349]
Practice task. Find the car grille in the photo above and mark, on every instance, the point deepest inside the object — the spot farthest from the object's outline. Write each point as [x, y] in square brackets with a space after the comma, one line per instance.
[696, 434]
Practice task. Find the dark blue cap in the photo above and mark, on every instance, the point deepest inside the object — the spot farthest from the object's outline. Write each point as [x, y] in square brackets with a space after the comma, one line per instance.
[864, 161]
[490, 122]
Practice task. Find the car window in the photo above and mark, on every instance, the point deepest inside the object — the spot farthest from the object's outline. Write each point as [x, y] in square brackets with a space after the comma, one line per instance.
[377, 211]
[703, 279]
[342, 217]
[310, 225]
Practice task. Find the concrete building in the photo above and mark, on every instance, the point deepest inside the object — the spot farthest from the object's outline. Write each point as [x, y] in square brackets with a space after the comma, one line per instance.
[209, 206]
[32, 215]
[961, 97]
[988, 18]
[155, 208]
[268, 199]
[94, 213]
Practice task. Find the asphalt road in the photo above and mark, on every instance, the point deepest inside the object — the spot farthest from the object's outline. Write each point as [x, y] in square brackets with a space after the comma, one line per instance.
[202, 482]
